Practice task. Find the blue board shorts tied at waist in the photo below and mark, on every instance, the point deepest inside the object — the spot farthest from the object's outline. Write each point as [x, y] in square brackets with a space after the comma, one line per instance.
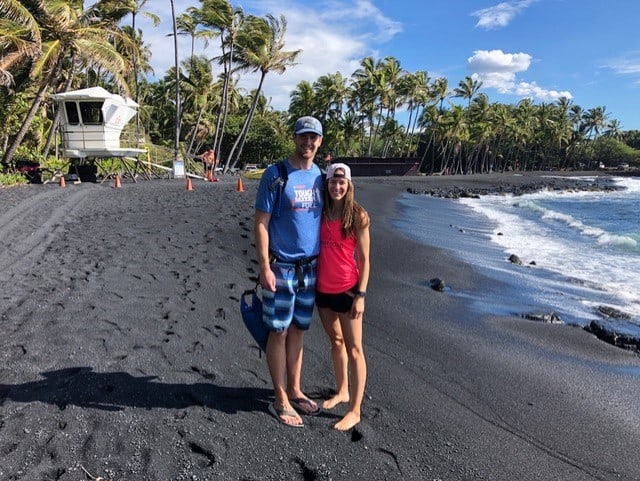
[299, 265]
[294, 298]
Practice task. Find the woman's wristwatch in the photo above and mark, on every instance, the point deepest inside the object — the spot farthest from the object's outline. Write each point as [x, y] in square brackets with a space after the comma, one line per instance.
[361, 294]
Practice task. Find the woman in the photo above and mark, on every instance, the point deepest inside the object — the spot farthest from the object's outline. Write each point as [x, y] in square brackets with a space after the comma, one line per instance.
[343, 274]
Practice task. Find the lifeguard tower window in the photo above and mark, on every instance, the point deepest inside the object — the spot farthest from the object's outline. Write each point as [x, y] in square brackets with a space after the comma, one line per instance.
[71, 109]
[91, 113]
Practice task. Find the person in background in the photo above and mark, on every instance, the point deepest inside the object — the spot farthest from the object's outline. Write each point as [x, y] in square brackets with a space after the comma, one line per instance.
[287, 227]
[209, 160]
[343, 275]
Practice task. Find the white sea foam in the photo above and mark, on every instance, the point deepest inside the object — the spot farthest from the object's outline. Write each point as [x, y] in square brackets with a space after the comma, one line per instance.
[581, 248]
[591, 237]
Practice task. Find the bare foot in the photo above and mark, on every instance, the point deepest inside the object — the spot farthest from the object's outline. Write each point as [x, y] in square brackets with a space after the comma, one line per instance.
[347, 422]
[335, 400]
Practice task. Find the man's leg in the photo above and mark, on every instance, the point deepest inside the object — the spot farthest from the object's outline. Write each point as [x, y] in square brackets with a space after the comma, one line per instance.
[277, 363]
[294, 348]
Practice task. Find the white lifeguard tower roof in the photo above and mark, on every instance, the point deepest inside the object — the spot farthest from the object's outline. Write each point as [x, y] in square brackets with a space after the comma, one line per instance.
[92, 121]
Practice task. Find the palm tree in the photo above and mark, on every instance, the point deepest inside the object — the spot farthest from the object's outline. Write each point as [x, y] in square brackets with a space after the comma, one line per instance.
[595, 120]
[440, 90]
[365, 90]
[302, 100]
[198, 86]
[614, 130]
[414, 89]
[21, 40]
[178, 104]
[69, 34]
[187, 24]
[136, 8]
[261, 49]
[467, 88]
[219, 16]
[390, 97]
[330, 94]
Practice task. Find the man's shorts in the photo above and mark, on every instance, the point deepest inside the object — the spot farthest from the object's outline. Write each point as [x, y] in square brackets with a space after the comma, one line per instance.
[336, 302]
[294, 297]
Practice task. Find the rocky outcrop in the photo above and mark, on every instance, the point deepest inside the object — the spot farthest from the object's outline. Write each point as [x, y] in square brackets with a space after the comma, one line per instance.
[615, 328]
[553, 183]
[514, 259]
[546, 318]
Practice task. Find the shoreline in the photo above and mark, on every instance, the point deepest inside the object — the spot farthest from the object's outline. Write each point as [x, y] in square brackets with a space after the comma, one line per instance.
[536, 294]
[516, 183]
[124, 354]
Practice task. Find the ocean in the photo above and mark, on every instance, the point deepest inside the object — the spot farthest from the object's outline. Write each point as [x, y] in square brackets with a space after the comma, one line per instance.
[580, 250]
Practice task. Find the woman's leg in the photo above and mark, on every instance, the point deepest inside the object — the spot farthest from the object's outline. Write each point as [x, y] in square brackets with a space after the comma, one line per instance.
[331, 325]
[352, 331]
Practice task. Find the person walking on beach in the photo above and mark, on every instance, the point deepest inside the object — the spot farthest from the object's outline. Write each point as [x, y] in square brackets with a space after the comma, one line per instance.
[287, 228]
[343, 275]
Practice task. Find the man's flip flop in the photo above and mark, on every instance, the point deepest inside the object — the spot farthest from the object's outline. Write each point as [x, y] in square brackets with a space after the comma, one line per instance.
[278, 413]
[305, 406]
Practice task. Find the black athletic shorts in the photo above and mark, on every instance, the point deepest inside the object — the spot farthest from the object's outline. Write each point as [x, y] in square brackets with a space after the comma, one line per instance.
[336, 302]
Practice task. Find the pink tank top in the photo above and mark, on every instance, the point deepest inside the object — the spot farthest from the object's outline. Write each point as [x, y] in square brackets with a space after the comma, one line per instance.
[337, 267]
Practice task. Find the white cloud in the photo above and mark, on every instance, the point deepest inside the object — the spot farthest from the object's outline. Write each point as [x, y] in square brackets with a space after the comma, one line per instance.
[497, 70]
[491, 61]
[333, 35]
[500, 15]
[347, 15]
[628, 64]
[526, 89]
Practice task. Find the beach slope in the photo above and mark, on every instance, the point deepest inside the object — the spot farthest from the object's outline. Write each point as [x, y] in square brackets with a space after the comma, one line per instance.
[124, 355]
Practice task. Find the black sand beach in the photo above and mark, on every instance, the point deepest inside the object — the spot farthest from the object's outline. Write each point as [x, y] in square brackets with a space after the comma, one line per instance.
[124, 356]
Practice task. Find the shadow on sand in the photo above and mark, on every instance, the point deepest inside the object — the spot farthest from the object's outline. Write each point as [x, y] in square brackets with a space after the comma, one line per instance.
[113, 391]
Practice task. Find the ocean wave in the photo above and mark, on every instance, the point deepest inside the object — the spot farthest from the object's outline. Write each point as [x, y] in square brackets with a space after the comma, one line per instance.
[602, 236]
[630, 184]
[568, 266]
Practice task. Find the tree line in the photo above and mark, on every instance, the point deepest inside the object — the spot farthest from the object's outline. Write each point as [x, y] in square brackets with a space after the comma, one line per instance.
[49, 46]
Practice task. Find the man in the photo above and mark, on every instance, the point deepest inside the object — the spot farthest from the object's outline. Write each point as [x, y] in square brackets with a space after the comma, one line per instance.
[209, 160]
[287, 238]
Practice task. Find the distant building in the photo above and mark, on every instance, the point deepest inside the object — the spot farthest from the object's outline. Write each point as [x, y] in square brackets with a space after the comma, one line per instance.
[380, 166]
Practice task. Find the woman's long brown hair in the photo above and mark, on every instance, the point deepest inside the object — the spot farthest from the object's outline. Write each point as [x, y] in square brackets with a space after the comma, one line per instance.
[353, 216]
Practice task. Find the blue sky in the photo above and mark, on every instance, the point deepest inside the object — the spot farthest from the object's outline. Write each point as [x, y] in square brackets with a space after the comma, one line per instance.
[586, 50]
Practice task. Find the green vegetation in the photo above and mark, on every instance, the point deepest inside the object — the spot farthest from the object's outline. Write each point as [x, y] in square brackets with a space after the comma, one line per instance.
[50, 46]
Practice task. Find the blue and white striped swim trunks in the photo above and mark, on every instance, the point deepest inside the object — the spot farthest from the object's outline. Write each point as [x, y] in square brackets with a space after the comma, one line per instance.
[294, 298]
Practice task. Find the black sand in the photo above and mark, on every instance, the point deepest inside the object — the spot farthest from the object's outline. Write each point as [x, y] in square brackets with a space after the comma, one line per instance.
[124, 356]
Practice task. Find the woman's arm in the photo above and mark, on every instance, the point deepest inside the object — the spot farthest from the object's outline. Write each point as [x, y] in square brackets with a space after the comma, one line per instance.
[362, 250]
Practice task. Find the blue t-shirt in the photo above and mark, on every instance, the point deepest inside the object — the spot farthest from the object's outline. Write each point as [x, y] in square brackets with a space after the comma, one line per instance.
[294, 233]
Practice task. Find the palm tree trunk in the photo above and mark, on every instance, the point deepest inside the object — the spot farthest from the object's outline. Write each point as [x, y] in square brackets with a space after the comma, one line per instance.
[56, 118]
[239, 143]
[37, 101]
[176, 141]
[195, 130]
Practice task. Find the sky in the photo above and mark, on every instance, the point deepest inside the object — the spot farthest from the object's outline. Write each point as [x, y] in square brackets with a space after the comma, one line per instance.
[585, 50]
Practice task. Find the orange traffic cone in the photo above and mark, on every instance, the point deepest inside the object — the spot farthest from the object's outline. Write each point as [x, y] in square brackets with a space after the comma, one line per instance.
[240, 186]
[189, 185]
[118, 184]
[62, 182]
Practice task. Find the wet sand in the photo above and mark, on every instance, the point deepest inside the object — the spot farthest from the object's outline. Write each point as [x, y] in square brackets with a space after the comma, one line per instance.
[124, 355]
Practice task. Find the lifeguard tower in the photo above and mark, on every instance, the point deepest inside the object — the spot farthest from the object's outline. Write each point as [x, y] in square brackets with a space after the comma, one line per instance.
[91, 123]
